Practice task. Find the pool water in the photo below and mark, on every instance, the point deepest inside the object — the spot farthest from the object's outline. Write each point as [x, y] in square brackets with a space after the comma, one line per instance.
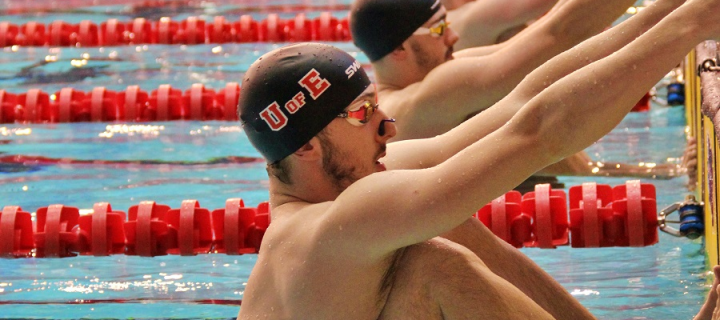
[664, 281]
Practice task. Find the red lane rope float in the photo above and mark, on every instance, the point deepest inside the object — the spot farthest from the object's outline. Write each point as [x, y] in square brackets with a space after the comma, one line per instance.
[600, 216]
[17, 232]
[229, 302]
[147, 230]
[101, 105]
[139, 8]
[549, 212]
[40, 160]
[193, 227]
[55, 234]
[151, 230]
[593, 221]
[505, 219]
[190, 31]
[635, 202]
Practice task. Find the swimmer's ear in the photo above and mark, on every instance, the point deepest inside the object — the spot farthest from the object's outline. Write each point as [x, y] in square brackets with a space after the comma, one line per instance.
[400, 53]
[310, 151]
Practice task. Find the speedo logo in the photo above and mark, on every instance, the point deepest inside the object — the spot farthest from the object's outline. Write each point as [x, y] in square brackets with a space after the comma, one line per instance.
[350, 71]
[274, 116]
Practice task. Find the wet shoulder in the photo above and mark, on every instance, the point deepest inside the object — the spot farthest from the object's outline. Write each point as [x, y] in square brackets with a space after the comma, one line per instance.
[399, 103]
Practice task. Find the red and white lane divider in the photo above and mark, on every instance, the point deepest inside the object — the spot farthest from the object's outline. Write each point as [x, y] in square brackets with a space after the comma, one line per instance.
[190, 31]
[132, 105]
[149, 229]
[599, 216]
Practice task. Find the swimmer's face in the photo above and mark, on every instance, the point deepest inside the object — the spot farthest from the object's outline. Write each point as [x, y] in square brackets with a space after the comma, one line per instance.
[351, 151]
[428, 47]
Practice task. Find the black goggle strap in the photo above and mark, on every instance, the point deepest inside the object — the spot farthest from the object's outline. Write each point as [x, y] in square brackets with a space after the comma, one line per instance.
[381, 129]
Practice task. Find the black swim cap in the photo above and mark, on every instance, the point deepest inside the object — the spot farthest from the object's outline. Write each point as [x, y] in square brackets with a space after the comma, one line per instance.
[380, 26]
[291, 94]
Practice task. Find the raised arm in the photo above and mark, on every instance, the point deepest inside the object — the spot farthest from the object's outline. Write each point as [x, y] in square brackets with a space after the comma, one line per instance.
[429, 152]
[480, 23]
[460, 88]
[477, 51]
[559, 121]
[572, 121]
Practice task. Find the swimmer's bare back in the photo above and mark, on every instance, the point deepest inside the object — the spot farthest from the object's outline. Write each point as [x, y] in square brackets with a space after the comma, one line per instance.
[440, 279]
[301, 271]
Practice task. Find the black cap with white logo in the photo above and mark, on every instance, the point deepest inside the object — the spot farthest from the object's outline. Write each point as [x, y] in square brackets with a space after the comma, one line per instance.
[380, 26]
[292, 93]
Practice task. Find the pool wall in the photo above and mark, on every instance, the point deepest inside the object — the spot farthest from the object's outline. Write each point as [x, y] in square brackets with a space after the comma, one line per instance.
[702, 101]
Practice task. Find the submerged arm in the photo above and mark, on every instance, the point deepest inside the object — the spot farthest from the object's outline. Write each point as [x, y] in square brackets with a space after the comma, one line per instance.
[580, 164]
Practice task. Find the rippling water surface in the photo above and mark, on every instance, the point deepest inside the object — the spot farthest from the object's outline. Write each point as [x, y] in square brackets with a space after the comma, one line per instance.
[665, 281]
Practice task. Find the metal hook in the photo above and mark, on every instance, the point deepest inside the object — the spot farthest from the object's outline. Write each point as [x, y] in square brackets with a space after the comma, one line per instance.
[709, 65]
[692, 227]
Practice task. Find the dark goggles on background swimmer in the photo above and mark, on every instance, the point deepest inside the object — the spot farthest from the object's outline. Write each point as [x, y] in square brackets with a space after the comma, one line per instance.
[436, 30]
[360, 115]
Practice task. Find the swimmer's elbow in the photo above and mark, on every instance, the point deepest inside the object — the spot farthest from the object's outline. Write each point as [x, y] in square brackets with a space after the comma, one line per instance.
[541, 128]
[569, 31]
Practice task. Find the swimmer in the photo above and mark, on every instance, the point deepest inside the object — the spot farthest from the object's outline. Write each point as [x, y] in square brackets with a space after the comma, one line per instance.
[430, 90]
[357, 238]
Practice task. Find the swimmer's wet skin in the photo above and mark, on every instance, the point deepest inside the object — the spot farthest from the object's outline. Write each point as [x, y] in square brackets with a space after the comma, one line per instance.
[354, 240]
[483, 23]
[415, 73]
[416, 70]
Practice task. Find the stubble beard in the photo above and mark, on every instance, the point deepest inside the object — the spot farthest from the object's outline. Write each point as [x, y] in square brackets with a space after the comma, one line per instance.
[341, 176]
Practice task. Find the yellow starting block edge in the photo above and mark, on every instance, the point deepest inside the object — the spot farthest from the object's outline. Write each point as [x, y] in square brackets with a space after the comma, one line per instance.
[702, 128]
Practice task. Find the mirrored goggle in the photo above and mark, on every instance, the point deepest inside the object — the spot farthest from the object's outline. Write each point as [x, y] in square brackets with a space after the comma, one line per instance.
[436, 30]
[360, 115]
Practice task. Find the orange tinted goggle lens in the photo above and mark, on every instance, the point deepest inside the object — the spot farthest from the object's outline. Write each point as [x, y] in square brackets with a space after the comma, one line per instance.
[363, 114]
[440, 29]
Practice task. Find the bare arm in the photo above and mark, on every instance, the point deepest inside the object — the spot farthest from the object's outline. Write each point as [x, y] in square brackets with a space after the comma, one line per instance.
[479, 51]
[477, 83]
[403, 207]
[521, 37]
[479, 23]
[709, 310]
[515, 267]
[423, 153]
[571, 121]
[454, 4]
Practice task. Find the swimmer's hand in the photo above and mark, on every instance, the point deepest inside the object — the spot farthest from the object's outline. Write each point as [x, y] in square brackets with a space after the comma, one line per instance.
[716, 312]
[710, 310]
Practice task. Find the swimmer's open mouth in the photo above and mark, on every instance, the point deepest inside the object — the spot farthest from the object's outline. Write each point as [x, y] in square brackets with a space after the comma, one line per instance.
[378, 163]
[381, 155]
